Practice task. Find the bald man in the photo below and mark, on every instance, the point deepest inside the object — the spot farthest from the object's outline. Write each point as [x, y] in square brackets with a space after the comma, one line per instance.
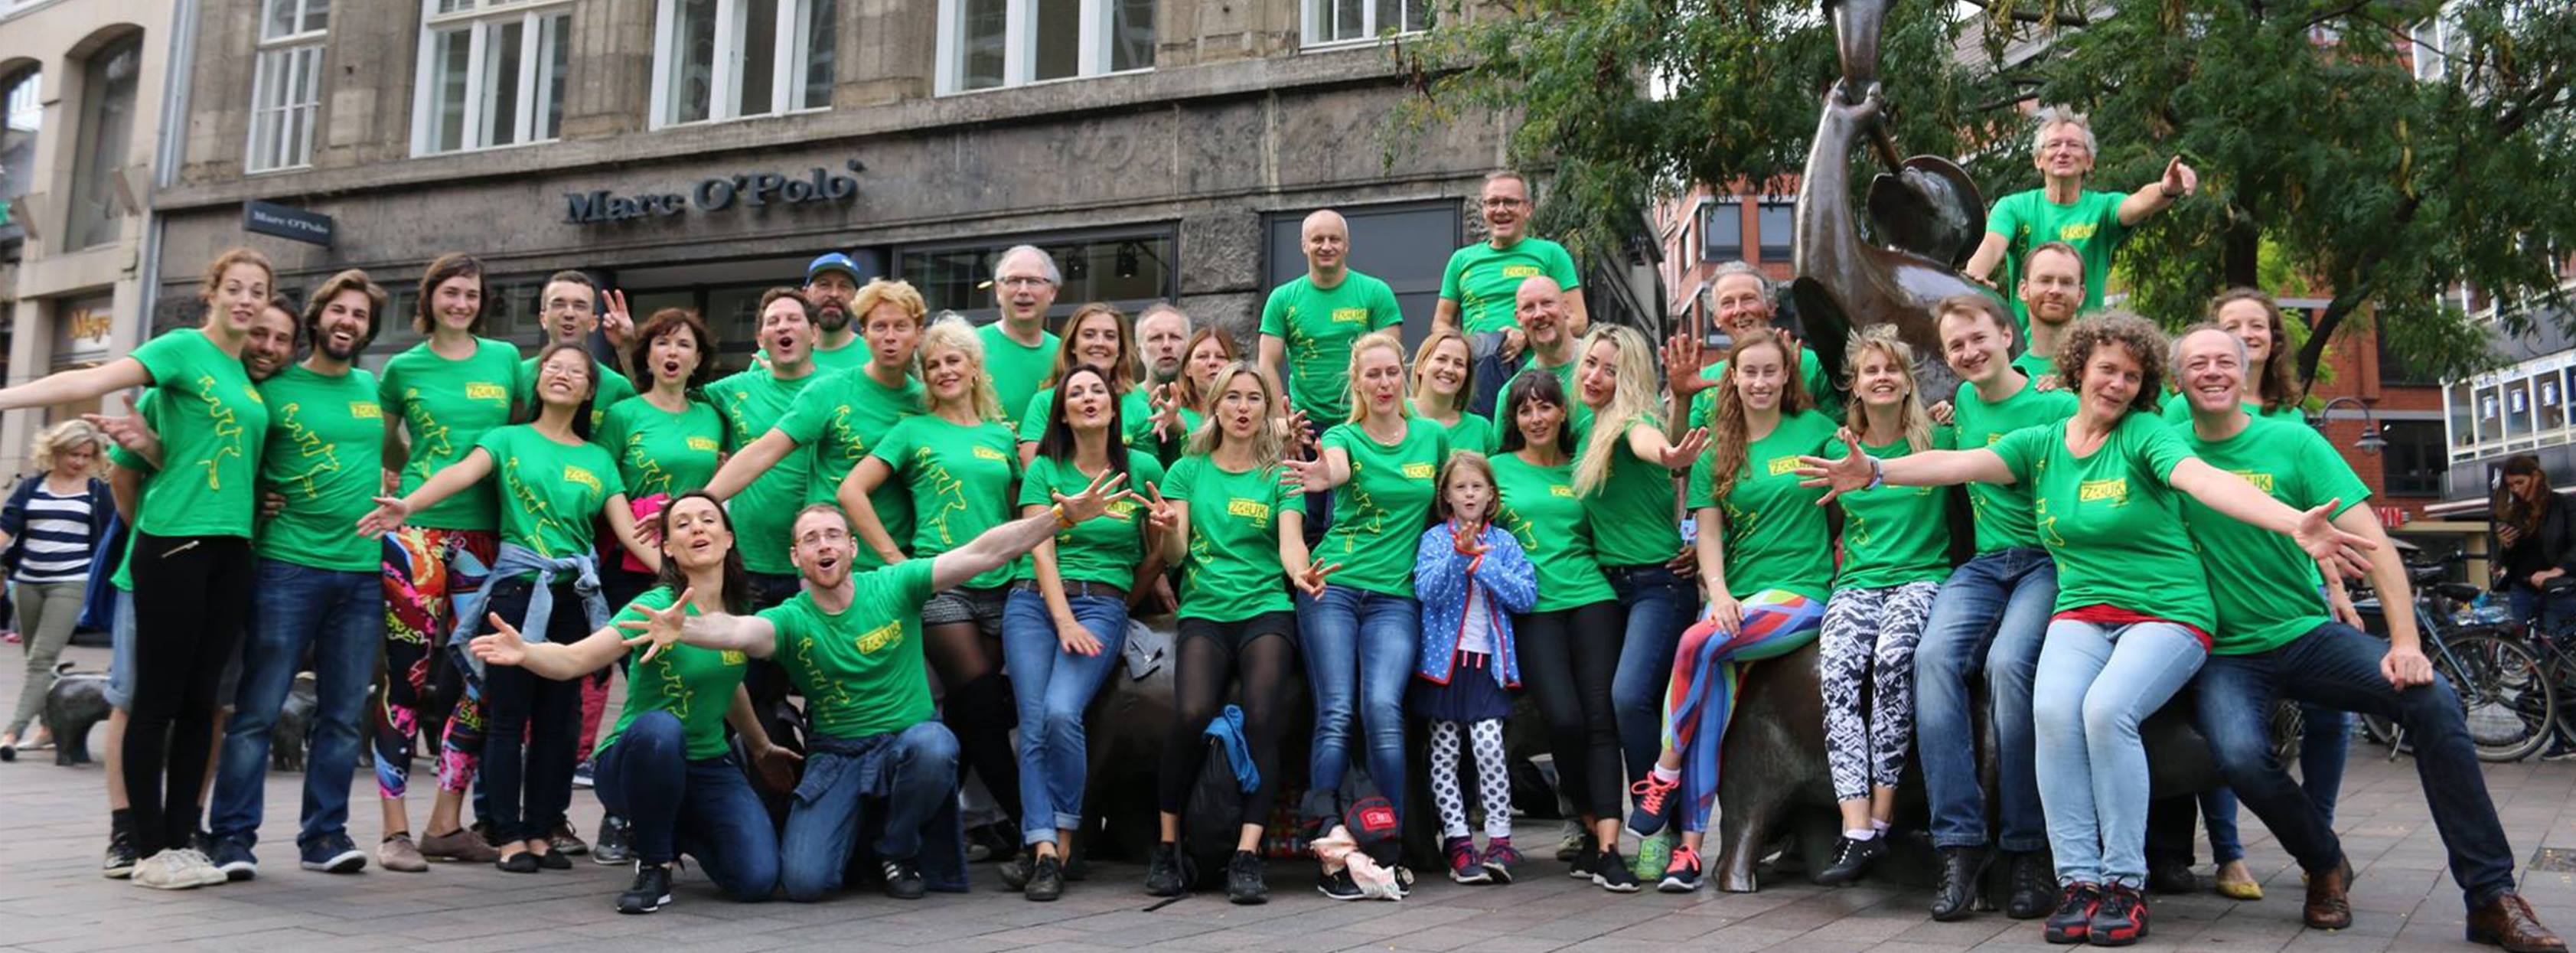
[1311, 322]
[1540, 307]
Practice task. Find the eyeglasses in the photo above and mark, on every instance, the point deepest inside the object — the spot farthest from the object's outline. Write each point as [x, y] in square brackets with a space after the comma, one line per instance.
[1505, 201]
[1026, 281]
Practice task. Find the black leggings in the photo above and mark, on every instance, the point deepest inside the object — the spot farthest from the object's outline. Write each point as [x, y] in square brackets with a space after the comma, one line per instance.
[191, 600]
[977, 707]
[1264, 651]
[1568, 657]
[530, 781]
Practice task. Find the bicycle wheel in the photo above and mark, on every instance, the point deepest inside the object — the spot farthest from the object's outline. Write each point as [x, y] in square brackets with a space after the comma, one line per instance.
[2381, 731]
[2510, 705]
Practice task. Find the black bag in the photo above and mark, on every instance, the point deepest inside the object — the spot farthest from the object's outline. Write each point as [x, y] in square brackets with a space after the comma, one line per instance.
[1212, 821]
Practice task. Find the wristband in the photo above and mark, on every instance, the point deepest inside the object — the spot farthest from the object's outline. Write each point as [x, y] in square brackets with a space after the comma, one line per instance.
[1061, 521]
[1877, 474]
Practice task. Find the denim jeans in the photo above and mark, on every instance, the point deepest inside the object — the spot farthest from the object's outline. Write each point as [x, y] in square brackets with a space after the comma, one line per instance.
[341, 616]
[705, 807]
[1658, 605]
[531, 725]
[1491, 370]
[2095, 684]
[1359, 647]
[2338, 666]
[1053, 688]
[1990, 615]
[913, 773]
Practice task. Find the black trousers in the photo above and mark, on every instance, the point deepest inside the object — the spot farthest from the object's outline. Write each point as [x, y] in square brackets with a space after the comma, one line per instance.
[191, 600]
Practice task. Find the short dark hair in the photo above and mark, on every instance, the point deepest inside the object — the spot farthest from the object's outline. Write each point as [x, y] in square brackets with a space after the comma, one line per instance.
[803, 303]
[671, 321]
[571, 276]
[335, 286]
[2059, 247]
[450, 265]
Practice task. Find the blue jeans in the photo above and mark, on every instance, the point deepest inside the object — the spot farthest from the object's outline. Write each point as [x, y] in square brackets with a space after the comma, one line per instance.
[705, 807]
[1359, 647]
[2095, 684]
[2552, 612]
[1991, 615]
[913, 772]
[1491, 370]
[2325, 738]
[1658, 605]
[341, 616]
[1053, 688]
[2338, 666]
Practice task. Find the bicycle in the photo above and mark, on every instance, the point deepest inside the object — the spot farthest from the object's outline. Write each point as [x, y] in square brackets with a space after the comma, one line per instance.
[2508, 700]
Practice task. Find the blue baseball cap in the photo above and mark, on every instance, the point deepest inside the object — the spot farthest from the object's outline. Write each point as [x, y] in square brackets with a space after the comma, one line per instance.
[833, 261]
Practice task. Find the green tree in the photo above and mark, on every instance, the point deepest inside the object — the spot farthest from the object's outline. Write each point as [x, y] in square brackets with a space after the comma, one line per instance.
[2312, 135]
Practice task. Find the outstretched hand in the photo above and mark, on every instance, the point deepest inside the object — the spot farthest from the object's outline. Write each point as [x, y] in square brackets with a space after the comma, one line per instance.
[502, 646]
[1094, 499]
[1849, 473]
[130, 431]
[389, 514]
[1304, 476]
[660, 628]
[1681, 363]
[617, 323]
[2179, 179]
[1679, 456]
[1159, 513]
[2330, 545]
[1167, 411]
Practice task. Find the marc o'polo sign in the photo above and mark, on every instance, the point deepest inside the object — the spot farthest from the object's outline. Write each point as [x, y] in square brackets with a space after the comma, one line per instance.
[724, 193]
[288, 222]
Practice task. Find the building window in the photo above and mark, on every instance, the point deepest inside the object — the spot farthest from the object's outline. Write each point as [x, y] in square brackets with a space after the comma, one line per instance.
[2413, 463]
[1775, 225]
[286, 84]
[730, 59]
[2431, 41]
[1722, 231]
[985, 44]
[106, 134]
[491, 74]
[1129, 269]
[1345, 21]
[22, 116]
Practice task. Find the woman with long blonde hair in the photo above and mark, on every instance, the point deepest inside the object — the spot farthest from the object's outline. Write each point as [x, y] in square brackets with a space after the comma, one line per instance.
[1444, 377]
[52, 522]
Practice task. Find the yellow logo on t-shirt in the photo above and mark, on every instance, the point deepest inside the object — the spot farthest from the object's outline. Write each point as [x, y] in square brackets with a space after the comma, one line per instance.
[2116, 491]
[1559, 489]
[729, 657]
[573, 474]
[2261, 481]
[254, 394]
[1520, 271]
[487, 392]
[703, 444]
[1995, 438]
[1118, 510]
[988, 453]
[2076, 231]
[876, 639]
[366, 410]
[1780, 465]
[1420, 471]
[1254, 510]
[1350, 315]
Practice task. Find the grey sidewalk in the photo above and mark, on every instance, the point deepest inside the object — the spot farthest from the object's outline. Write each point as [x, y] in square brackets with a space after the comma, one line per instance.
[52, 898]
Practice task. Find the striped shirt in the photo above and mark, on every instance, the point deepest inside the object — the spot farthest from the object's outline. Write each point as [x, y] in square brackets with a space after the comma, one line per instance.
[56, 546]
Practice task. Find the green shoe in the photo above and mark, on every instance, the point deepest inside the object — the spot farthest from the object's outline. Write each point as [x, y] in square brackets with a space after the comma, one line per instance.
[1655, 852]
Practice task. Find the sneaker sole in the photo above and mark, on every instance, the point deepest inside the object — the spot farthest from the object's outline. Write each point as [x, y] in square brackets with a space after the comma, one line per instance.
[1500, 873]
[657, 904]
[2063, 937]
[238, 871]
[191, 885]
[1605, 884]
[1479, 876]
[346, 862]
[117, 873]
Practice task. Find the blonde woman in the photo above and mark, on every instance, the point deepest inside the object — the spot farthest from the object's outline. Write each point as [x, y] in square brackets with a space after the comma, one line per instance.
[1238, 530]
[1896, 551]
[961, 466]
[1444, 376]
[52, 521]
[1381, 465]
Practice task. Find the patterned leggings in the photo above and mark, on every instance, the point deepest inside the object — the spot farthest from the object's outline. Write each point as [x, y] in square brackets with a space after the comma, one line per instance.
[1869, 639]
[1493, 777]
[1706, 668]
[423, 569]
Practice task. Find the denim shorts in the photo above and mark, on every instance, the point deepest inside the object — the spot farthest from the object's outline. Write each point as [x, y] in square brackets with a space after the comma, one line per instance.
[981, 606]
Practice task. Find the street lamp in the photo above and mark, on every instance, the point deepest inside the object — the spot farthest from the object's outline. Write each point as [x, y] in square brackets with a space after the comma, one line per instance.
[2370, 441]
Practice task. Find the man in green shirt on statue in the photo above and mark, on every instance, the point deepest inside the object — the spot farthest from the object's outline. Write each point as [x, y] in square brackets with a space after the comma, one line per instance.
[1477, 289]
[2062, 210]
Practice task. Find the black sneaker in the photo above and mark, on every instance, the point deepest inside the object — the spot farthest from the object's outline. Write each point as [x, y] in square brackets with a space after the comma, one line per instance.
[1016, 871]
[651, 891]
[1581, 867]
[2172, 878]
[1167, 872]
[2120, 920]
[232, 856]
[903, 880]
[1046, 878]
[332, 854]
[2073, 921]
[1851, 859]
[1338, 885]
[1954, 887]
[611, 847]
[2033, 885]
[1243, 883]
[1610, 871]
[118, 862]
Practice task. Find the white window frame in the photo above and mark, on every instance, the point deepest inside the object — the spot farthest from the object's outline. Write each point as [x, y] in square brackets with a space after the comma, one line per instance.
[788, 63]
[1019, 46]
[1312, 15]
[302, 52]
[478, 18]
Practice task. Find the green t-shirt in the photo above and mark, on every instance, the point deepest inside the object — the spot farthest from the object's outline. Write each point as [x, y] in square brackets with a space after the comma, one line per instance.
[2003, 513]
[1017, 369]
[614, 388]
[326, 455]
[1892, 535]
[841, 416]
[1486, 281]
[1472, 432]
[1811, 369]
[1105, 549]
[1135, 417]
[2176, 411]
[1318, 325]
[446, 406]
[845, 357]
[694, 684]
[2111, 521]
[860, 670]
[1631, 512]
[213, 425]
[2028, 220]
[2034, 365]
[1578, 415]
[1233, 571]
[751, 404]
[1540, 509]
[659, 451]
[2264, 585]
[960, 478]
[550, 492]
[1776, 535]
[1379, 513]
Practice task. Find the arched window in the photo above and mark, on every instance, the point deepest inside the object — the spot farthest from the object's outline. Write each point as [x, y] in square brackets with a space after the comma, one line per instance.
[108, 81]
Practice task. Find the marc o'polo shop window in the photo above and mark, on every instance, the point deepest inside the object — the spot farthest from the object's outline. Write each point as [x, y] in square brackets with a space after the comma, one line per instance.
[1127, 268]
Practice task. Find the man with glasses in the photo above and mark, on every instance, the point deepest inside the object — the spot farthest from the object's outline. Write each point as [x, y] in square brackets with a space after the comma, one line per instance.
[2061, 210]
[831, 282]
[1482, 284]
[1019, 354]
[569, 309]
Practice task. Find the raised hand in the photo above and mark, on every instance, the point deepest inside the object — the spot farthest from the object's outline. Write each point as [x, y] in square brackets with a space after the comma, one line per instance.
[1301, 439]
[1681, 363]
[1159, 514]
[1166, 399]
[1304, 475]
[388, 516]
[1849, 473]
[1094, 499]
[502, 646]
[616, 322]
[1468, 538]
[2179, 179]
[1311, 582]
[2330, 545]
[1679, 456]
[660, 627]
[129, 431]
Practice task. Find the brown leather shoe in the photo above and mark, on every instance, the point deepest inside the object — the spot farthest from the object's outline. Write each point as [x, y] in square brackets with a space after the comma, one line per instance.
[2506, 921]
[2328, 908]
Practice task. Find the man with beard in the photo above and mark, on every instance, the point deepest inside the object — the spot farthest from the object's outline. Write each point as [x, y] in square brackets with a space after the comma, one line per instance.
[1019, 353]
[1162, 335]
[831, 282]
[570, 307]
[319, 585]
[2052, 288]
[1539, 310]
[1477, 288]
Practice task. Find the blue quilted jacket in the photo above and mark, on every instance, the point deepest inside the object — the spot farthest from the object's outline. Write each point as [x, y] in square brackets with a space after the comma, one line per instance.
[1441, 581]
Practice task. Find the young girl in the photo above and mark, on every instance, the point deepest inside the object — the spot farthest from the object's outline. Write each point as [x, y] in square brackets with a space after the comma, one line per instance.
[1471, 577]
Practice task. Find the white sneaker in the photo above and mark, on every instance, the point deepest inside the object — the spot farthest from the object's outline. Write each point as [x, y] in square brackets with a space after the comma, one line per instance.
[165, 871]
[197, 863]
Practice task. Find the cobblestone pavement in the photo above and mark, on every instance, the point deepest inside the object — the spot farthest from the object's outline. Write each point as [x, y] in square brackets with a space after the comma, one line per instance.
[52, 898]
